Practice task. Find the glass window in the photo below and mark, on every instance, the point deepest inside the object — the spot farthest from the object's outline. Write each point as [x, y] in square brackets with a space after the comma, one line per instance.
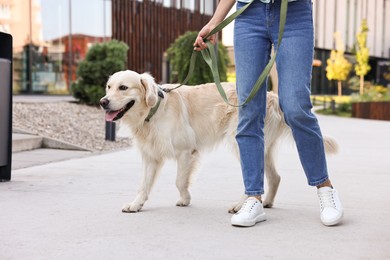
[5, 12]
[50, 37]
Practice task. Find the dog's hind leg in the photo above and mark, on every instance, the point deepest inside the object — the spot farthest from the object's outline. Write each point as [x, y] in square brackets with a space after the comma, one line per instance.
[151, 167]
[273, 178]
[187, 163]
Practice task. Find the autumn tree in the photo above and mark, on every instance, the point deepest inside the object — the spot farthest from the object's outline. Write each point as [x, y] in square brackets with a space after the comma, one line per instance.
[362, 54]
[338, 66]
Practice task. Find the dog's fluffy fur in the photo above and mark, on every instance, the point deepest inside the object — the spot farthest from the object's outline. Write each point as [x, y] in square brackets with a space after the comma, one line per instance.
[189, 121]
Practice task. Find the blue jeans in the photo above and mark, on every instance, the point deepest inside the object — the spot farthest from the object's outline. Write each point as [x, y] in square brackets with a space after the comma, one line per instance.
[254, 33]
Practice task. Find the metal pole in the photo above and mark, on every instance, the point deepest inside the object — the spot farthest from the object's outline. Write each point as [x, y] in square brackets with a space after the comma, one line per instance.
[30, 56]
[70, 63]
[60, 38]
[110, 126]
[110, 131]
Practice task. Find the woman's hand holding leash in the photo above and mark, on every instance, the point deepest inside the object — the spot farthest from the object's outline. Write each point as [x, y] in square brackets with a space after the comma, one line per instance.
[199, 43]
[223, 9]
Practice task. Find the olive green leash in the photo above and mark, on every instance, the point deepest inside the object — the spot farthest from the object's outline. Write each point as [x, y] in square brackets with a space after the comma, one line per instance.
[210, 58]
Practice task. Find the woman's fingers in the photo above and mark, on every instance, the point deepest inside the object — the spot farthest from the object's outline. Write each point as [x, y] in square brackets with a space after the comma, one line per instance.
[199, 44]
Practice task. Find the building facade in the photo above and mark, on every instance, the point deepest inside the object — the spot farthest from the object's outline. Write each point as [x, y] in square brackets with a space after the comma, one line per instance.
[345, 16]
[50, 37]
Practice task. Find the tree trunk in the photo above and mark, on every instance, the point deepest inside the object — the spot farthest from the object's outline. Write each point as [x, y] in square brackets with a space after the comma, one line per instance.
[339, 87]
[361, 84]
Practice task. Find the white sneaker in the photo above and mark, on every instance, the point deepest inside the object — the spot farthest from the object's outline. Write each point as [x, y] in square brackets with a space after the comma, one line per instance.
[251, 212]
[330, 206]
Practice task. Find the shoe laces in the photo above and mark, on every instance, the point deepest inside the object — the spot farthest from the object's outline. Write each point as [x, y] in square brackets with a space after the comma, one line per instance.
[248, 205]
[327, 199]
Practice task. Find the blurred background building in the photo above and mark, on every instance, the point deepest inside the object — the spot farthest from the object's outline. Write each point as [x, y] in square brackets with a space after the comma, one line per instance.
[52, 36]
[345, 16]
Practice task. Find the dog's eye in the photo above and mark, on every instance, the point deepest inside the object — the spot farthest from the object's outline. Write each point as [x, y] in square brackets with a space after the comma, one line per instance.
[108, 87]
[121, 87]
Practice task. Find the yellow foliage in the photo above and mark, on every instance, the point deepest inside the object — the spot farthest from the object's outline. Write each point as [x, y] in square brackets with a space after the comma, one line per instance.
[338, 66]
[380, 89]
[362, 54]
[231, 77]
[337, 99]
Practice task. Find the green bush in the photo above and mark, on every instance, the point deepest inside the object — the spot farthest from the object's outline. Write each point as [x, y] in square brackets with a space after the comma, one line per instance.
[102, 60]
[179, 54]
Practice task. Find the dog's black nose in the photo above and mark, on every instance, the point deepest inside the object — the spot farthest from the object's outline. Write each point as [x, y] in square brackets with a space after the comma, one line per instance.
[104, 102]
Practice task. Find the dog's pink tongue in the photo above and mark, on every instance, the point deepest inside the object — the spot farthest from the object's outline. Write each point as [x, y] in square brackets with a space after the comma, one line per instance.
[111, 115]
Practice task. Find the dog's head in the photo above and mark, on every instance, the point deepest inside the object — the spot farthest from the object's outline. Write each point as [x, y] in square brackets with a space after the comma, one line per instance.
[128, 91]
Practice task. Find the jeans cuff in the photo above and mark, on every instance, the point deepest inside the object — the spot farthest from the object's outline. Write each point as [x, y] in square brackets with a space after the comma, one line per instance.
[254, 193]
[316, 183]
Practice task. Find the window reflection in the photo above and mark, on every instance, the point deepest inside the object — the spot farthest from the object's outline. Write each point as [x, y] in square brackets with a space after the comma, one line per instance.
[50, 37]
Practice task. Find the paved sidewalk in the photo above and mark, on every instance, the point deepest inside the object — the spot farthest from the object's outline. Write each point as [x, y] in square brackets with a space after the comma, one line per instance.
[72, 209]
[41, 156]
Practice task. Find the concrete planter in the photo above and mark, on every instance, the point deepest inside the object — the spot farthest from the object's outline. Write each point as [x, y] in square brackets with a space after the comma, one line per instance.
[371, 110]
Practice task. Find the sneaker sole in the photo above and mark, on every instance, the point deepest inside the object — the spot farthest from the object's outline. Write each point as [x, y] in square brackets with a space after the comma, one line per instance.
[258, 219]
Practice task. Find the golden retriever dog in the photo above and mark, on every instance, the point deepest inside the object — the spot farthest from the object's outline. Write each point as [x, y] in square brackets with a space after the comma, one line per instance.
[181, 125]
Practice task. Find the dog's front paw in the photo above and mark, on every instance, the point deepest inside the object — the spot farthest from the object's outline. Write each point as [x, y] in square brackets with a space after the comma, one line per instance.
[131, 208]
[236, 207]
[183, 202]
[267, 204]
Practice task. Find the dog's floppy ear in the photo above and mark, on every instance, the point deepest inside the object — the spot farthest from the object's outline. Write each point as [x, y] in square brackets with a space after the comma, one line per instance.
[150, 89]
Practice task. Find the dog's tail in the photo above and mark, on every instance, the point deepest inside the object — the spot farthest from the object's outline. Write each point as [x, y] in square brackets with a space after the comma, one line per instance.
[331, 146]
